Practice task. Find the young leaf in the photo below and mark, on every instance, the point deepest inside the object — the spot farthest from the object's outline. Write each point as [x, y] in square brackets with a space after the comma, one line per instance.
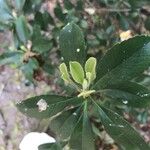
[120, 130]
[53, 104]
[22, 29]
[77, 72]
[130, 94]
[123, 62]
[90, 67]
[64, 72]
[72, 44]
[82, 138]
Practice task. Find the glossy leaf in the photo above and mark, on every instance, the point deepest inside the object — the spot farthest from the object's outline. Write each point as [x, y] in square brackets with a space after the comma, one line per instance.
[64, 124]
[72, 44]
[82, 138]
[130, 94]
[50, 146]
[22, 29]
[121, 131]
[123, 62]
[76, 72]
[54, 105]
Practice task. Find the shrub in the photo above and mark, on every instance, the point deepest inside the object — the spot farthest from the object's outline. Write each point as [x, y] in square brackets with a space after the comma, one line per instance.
[99, 87]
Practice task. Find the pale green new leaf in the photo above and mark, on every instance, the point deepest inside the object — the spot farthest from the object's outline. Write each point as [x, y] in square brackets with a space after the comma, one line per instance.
[90, 68]
[77, 72]
[64, 72]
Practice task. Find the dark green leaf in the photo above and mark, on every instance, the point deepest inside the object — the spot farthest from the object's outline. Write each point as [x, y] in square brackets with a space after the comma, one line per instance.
[82, 137]
[54, 105]
[22, 29]
[68, 5]
[43, 19]
[129, 93]
[32, 6]
[72, 44]
[147, 23]
[29, 68]
[124, 24]
[64, 124]
[59, 12]
[80, 4]
[50, 146]
[40, 43]
[121, 131]
[123, 62]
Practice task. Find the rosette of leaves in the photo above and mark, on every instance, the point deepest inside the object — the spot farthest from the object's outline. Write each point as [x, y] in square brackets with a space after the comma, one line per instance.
[108, 79]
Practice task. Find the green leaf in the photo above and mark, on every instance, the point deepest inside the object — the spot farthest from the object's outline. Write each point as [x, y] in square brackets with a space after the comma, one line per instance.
[43, 20]
[54, 105]
[128, 93]
[76, 72]
[64, 125]
[121, 131]
[68, 5]
[72, 44]
[59, 12]
[22, 29]
[90, 67]
[40, 43]
[11, 58]
[64, 72]
[5, 11]
[123, 62]
[50, 146]
[19, 4]
[82, 138]
[29, 68]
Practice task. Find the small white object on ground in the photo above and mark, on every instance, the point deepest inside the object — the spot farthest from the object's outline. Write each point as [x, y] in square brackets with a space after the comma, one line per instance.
[32, 140]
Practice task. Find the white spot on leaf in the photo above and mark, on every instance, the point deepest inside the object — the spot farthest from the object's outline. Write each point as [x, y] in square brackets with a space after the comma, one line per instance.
[78, 50]
[75, 114]
[125, 101]
[42, 105]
